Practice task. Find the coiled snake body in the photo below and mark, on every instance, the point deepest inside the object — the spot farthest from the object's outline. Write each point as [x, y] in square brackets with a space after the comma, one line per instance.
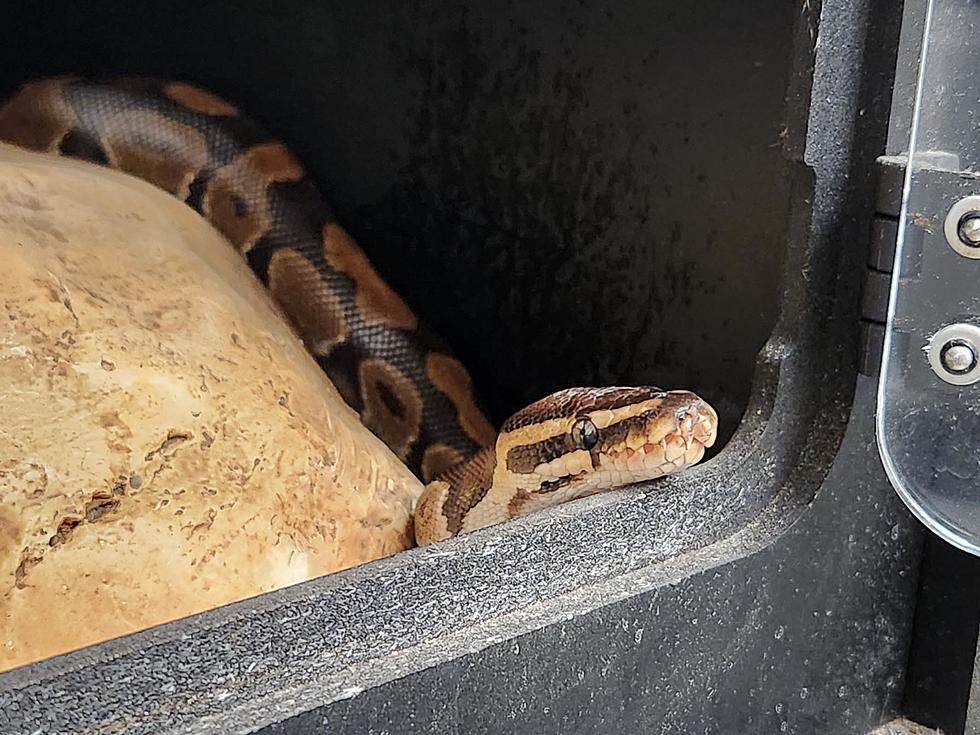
[403, 383]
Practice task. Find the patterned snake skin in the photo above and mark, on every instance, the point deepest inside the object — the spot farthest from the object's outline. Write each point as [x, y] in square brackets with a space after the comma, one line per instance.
[400, 378]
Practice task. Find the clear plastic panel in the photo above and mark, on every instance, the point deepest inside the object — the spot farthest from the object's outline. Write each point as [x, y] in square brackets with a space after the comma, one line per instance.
[928, 421]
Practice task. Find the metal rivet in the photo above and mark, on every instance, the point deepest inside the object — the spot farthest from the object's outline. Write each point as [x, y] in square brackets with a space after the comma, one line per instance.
[969, 229]
[962, 226]
[958, 356]
[954, 355]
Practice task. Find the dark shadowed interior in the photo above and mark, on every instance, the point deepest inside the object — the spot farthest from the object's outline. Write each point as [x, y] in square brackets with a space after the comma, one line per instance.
[570, 195]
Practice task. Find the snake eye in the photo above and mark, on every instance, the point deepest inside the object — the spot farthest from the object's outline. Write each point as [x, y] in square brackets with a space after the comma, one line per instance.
[585, 434]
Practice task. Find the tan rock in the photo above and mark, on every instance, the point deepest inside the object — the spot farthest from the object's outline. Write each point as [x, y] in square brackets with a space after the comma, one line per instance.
[166, 443]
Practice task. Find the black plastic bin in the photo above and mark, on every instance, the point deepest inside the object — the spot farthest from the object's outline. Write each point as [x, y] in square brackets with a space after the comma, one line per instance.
[571, 193]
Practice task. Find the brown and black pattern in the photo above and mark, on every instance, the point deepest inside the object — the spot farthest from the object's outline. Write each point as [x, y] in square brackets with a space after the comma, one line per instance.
[439, 458]
[575, 401]
[449, 376]
[469, 482]
[570, 444]
[199, 148]
[523, 458]
[392, 406]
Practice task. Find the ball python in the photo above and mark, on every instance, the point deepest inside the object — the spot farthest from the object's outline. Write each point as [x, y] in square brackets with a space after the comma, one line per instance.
[399, 377]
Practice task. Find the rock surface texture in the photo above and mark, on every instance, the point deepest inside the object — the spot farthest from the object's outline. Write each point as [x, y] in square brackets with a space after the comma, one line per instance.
[166, 443]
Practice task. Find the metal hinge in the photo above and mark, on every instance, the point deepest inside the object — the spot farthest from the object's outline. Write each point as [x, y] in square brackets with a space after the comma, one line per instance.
[881, 261]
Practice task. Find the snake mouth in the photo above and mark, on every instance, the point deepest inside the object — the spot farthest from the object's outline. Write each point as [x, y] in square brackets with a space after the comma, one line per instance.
[665, 444]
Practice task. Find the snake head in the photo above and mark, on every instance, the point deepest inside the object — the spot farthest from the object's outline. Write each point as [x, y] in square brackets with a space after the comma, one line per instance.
[573, 443]
[584, 440]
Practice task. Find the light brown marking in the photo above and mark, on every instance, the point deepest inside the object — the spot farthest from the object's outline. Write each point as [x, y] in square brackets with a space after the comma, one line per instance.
[429, 522]
[438, 458]
[392, 405]
[236, 202]
[375, 299]
[273, 163]
[198, 100]
[168, 154]
[449, 376]
[38, 117]
[307, 300]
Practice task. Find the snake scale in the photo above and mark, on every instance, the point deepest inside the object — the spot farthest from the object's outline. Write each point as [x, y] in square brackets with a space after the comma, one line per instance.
[405, 385]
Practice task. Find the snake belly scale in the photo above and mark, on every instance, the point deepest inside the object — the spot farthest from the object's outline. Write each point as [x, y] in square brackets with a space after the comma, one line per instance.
[400, 378]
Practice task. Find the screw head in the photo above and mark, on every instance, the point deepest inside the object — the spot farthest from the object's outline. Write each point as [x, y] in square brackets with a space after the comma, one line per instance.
[958, 356]
[968, 229]
[954, 353]
[962, 227]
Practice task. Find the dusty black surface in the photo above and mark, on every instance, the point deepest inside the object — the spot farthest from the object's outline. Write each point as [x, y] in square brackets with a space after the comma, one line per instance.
[772, 589]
